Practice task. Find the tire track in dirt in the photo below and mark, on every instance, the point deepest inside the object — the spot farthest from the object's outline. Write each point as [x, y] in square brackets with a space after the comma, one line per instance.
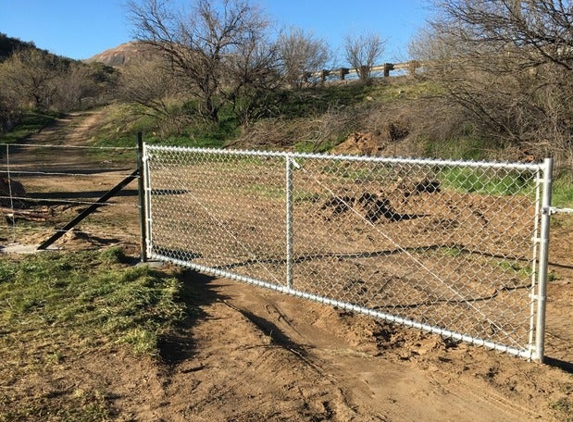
[262, 356]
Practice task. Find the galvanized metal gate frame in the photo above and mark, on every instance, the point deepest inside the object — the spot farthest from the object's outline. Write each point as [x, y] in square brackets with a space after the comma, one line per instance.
[535, 350]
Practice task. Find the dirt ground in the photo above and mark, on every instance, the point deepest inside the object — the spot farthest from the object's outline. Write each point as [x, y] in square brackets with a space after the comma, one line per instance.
[257, 355]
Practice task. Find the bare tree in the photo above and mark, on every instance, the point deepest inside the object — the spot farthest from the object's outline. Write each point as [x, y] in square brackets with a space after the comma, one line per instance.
[9, 114]
[362, 51]
[76, 86]
[252, 76]
[539, 31]
[149, 83]
[301, 54]
[509, 63]
[215, 47]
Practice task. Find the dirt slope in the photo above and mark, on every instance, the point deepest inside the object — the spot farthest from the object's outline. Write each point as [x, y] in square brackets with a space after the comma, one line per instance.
[256, 355]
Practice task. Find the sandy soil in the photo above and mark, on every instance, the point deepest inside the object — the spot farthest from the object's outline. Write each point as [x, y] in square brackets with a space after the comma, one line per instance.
[256, 355]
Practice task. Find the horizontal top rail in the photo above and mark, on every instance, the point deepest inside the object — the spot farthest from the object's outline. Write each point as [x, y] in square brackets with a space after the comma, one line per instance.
[367, 158]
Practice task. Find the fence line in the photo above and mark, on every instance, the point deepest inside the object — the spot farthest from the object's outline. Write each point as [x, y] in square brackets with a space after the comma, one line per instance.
[450, 247]
[42, 187]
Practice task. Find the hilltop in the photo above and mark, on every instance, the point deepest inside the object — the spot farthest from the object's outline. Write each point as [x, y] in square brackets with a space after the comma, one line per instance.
[9, 45]
[122, 54]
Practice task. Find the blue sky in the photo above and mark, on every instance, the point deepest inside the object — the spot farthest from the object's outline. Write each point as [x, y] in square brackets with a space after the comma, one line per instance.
[81, 28]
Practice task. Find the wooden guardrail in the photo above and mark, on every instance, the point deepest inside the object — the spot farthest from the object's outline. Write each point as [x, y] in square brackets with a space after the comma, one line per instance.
[410, 67]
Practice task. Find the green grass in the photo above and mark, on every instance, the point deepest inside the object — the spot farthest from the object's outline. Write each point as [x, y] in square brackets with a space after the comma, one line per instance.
[89, 295]
[31, 122]
[513, 267]
[465, 147]
[56, 306]
[294, 104]
[452, 251]
[562, 195]
[470, 180]
[123, 122]
[467, 180]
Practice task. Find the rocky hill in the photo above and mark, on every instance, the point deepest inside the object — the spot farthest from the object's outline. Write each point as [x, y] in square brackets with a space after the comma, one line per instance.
[122, 54]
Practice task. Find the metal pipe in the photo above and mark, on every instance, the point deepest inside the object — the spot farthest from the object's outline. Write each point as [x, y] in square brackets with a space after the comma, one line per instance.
[147, 200]
[141, 197]
[543, 260]
[289, 237]
[356, 158]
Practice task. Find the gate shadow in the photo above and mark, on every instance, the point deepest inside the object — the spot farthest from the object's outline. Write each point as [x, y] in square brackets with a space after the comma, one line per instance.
[558, 363]
[198, 293]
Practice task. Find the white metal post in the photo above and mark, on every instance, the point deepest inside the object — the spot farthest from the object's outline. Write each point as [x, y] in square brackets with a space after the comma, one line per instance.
[147, 199]
[288, 160]
[543, 260]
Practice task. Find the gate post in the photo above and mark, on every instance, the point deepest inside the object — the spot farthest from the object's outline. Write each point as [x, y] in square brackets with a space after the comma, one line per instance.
[288, 192]
[543, 260]
[141, 196]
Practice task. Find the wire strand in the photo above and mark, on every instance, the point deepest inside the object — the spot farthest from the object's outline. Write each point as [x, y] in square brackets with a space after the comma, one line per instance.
[70, 146]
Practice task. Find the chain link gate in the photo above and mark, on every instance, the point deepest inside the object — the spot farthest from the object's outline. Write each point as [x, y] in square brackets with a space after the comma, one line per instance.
[453, 248]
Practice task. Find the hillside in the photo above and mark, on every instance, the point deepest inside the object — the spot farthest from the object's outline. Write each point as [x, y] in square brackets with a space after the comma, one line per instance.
[122, 54]
[8, 45]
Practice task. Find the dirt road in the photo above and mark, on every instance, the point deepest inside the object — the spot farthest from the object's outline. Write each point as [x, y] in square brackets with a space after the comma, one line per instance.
[256, 355]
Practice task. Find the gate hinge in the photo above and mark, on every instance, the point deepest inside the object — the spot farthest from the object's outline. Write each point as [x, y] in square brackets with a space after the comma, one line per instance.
[556, 210]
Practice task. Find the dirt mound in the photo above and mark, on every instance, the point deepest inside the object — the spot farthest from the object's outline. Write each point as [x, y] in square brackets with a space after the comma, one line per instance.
[359, 143]
[11, 192]
[369, 143]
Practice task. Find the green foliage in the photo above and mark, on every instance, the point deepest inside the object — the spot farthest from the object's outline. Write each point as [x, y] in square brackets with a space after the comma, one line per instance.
[562, 195]
[30, 122]
[468, 180]
[91, 295]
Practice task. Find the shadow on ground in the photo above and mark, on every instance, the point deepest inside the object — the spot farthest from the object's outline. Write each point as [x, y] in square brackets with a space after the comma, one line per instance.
[197, 294]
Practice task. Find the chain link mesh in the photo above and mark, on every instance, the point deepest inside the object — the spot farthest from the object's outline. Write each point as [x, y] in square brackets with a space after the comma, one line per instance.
[446, 246]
